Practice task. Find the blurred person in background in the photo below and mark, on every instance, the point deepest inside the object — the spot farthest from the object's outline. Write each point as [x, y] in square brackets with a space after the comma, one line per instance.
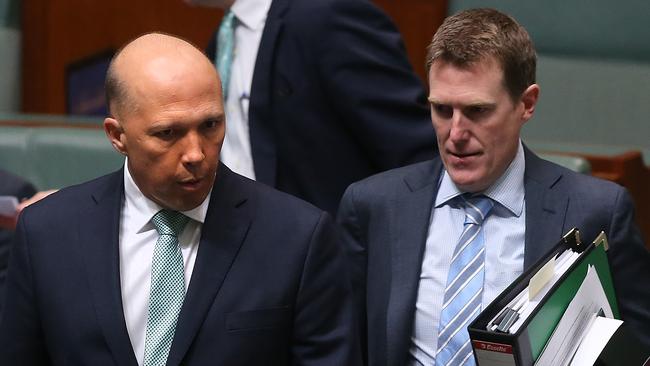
[318, 94]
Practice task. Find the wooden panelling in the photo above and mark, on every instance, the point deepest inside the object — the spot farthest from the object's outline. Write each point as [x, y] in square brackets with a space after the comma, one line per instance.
[630, 171]
[57, 33]
[417, 20]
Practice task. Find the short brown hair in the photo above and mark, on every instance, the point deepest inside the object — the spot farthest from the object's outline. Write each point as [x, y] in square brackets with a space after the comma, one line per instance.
[477, 34]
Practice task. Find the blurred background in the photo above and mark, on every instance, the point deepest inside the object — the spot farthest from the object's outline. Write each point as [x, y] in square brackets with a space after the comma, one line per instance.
[593, 69]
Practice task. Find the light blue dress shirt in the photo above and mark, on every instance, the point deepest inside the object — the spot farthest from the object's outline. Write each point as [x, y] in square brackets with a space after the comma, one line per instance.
[504, 232]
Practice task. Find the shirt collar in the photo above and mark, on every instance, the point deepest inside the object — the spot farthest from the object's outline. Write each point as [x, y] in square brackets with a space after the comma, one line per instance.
[508, 190]
[251, 13]
[143, 208]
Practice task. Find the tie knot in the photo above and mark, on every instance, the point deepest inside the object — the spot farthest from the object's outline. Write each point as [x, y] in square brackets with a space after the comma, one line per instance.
[477, 208]
[169, 222]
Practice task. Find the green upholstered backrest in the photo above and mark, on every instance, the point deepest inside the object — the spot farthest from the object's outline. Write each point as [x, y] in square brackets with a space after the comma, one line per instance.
[599, 29]
[55, 157]
[575, 163]
[592, 106]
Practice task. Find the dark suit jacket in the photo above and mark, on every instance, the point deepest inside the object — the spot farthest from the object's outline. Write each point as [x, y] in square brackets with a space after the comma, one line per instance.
[386, 221]
[10, 185]
[269, 286]
[333, 100]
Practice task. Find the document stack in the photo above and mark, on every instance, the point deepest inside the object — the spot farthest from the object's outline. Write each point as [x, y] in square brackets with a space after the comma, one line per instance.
[551, 313]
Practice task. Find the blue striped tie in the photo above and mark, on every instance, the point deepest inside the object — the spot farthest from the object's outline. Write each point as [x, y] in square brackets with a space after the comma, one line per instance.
[167, 290]
[462, 301]
[225, 50]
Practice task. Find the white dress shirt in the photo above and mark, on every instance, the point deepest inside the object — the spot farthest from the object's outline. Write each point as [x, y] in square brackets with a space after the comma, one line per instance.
[250, 17]
[504, 231]
[138, 238]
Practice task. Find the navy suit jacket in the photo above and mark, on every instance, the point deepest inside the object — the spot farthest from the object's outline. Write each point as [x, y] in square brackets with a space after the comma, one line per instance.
[386, 221]
[10, 185]
[333, 99]
[269, 285]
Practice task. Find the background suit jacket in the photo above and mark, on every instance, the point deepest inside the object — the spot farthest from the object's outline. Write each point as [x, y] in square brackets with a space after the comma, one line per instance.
[10, 185]
[333, 99]
[386, 221]
[269, 285]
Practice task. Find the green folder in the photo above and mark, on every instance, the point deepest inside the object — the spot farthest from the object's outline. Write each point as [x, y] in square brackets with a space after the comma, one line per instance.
[524, 346]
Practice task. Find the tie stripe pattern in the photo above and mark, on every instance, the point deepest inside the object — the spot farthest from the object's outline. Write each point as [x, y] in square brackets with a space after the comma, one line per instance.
[167, 290]
[462, 300]
[225, 50]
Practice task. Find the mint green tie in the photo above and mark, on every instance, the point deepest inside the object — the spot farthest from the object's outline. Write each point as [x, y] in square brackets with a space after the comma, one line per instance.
[225, 50]
[167, 289]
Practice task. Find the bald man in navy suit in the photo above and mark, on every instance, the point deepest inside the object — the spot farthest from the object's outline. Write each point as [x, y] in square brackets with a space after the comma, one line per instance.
[240, 274]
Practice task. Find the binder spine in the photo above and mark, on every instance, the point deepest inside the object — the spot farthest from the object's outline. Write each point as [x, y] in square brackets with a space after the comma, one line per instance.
[493, 354]
[492, 349]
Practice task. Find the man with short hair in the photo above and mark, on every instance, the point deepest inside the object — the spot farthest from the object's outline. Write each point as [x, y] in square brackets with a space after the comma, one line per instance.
[433, 243]
[174, 259]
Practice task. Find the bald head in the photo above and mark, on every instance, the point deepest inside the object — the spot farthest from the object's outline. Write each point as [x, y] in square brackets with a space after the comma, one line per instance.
[167, 118]
[157, 60]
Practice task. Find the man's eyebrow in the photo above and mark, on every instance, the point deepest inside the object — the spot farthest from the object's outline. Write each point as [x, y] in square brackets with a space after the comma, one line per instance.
[215, 118]
[162, 124]
[476, 103]
[480, 104]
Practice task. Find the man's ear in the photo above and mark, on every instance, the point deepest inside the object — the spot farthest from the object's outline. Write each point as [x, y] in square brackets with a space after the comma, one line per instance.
[529, 99]
[115, 134]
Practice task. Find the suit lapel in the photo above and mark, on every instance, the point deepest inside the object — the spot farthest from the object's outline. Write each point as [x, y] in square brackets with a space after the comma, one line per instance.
[226, 225]
[99, 243]
[409, 216]
[546, 208]
[261, 133]
[545, 216]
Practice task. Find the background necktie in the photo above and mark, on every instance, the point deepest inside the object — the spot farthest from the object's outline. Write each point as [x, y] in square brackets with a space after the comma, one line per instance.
[462, 301]
[167, 287]
[225, 50]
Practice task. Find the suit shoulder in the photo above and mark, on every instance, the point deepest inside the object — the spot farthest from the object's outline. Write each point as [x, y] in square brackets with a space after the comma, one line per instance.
[325, 7]
[269, 200]
[68, 198]
[586, 184]
[592, 193]
[331, 13]
[395, 180]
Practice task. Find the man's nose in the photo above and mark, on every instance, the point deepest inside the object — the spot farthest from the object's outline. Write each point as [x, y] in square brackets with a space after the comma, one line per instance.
[193, 150]
[459, 127]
